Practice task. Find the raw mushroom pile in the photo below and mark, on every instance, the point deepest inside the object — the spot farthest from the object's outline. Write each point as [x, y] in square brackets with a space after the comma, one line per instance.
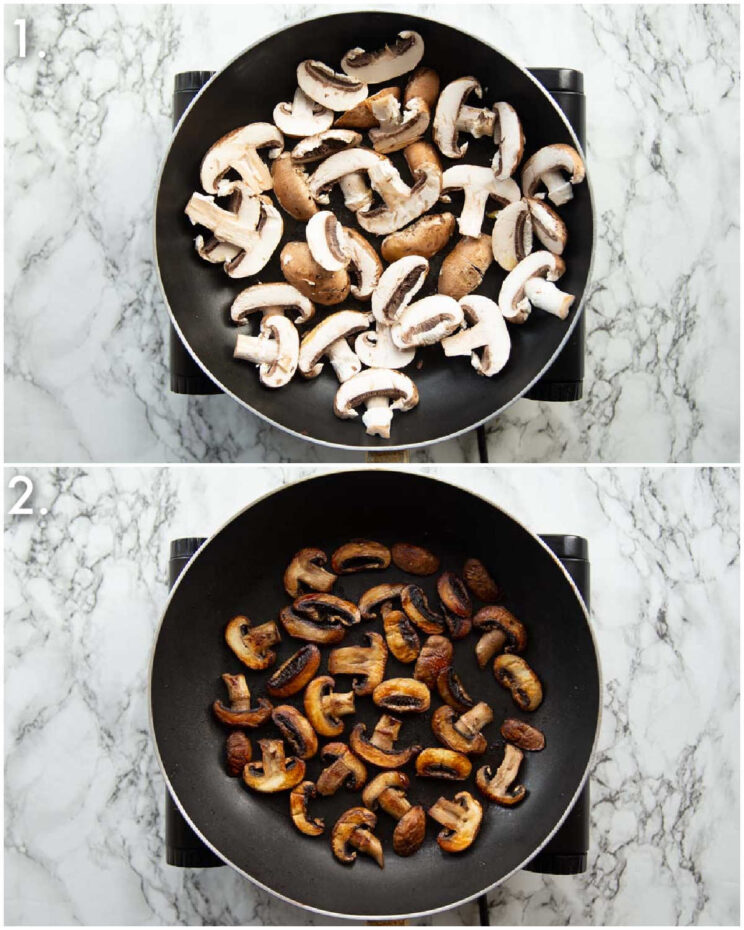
[366, 762]
[336, 260]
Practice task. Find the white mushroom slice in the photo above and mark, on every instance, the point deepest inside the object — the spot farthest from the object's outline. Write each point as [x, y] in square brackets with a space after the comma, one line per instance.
[424, 193]
[477, 184]
[519, 292]
[325, 144]
[397, 286]
[454, 116]
[238, 150]
[357, 193]
[303, 117]
[385, 63]
[338, 92]
[365, 267]
[376, 349]
[486, 330]
[410, 125]
[336, 167]
[509, 138]
[269, 299]
[270, 230]
[328, 340]
[376, 388]
[547, 166]
[326, 240]
[386, 180]
[511, 238]
[427, 321]
[275, 350]
[212, 250]
[548, 226]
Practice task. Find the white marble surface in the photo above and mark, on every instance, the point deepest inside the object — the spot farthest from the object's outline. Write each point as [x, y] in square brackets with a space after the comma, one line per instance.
[83, 792]
[87, 125]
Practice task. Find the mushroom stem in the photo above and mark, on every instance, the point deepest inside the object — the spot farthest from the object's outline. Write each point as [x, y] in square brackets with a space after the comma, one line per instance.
[394, 803]
[545, 295]
[472, 721]
[477, 121]
[238, 692]
[378, 416]
[251, 167]
[357, 195]
[338, 704]
[560, 190]
[447, 813]
[256, 349]
[488, 645]
[344, 360]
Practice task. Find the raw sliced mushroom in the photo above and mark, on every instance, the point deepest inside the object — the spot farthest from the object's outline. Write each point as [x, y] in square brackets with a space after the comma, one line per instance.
[388, 792]
[360, 555]
[547, 166]
[547, 225]
[275, 350]
[238, 150]
[447, 764]
[530, 284]
[302, 117]
[295, 673]
[333, 169]
[345, 770]
[397, 286]
[301, 270]
[501, 632]
[365, 267]
[386, 63]
[523, 735]
[463, 269]
[328, 340]
[476, 577]
[306, 570]
[252, 644]
[376, 388]
[436, 654]
[422, 84]
[402, 696]
[376, 349]
[509, 138]
[324, 706]
[379, 749]
[461, 819]
[463, 733]
[478, 184]
[275, 772]
[239, 712]
[352, 833]
[514, 674]
[375, 597]
[511, 238]
[415, 560]
[399, 128]
[456, 604]
[425, 237]
[271, 299]
[248, 211]
[335, 91]
[452, 691]
[361, 116]
[326, 240]
[499, 787]
[292, 188]
[453, 116]
[426, 322]
[486, 331]
[401, 636]
[299, 800]
[415, 604]
[324, 144]
[296, 730]
[365, 663]
[238, 753]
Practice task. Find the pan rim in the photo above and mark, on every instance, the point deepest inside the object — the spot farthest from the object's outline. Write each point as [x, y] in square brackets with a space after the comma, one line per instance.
[341, 914]
[378, 446]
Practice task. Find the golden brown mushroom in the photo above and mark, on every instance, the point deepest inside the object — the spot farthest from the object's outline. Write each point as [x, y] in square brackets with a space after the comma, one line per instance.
[461, 819]
[456, 604]
[402, 696]
[388, 791]
[498, 788]
[376, 597]
[295, 673]
[365, 663]
[352, 833]
[296, 730]
[434, 762]
[401, 636]
[274, 772]
[312, 629]
[299, 800]
[239, 712]
[252, 645]
[513, 673]
[306, 571]
[239, 752]
[324, 706]
[463, 734]
[360, 555]
[345, 770]
[476, 577]
[523, 735]
[378, 749]
[452, 691]
[414, 559]
[435, 655]
[501, 632]
[418, 611]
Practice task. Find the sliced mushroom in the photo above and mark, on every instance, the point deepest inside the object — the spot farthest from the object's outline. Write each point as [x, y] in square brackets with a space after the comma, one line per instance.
[295, 673]
[365, 663]
[324, 144]
[423, 84]
[379, 749]
[328, 340]
[414, 559]
[426, 322]
[546, 166]
[292, 188]
[502, 632]
[499, 788]
[456, 604]
[511, 238]
[252, 645]
[513, 673]
[376, 349]
[463, 269]
[345, 770]
[328, 605]
[238, 751]
[306, 571]
[275, 350]
[301, 270]
[478, 184]
[436, 654]
[360, 555]
[364, 266]
[401, 636]
[530, 284]
[319, 618]
[299, 800]
[248, 211]
[239, 150]
[452, 691]
[385, 63]
[548, 226]
[271, 299]
[461, 819]
[402, 696]
[336, 91]
[376, 387]
[453, 116]
[375, 597]
[417, 609]
[425, 237]
[434, 762]
[462, 733]
[302, 117]
[398, 210]
[239, 712]
[343, 164]
[388, 791]
[352, 833]
[324, 706]
[509, 138]
[326, 240]
[523, 735]
[401, 127]
[397, 286]
[486, 331]
[274, 772]
[296, 730]
[361, 116]
[476, 577]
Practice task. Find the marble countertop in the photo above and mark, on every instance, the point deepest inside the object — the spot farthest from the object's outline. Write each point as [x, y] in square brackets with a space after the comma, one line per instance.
[84, 586]
[87, 125]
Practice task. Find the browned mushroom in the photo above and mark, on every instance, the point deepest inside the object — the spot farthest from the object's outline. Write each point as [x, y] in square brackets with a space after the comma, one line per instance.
[365, 663]
[402, 696]
[328, 605]
[452, 691]
[239, 752]
[378, 749]
[252, 645]
[374, 598]
[401, 636]
[360, 555]
[274, 772]
[480, 582]
[463, 734]
[513, 673]
[299, 799]
[306, 571]
[295, 673]
[418, 611]
[498, 788]
[324, 706]
[313, 629]
[461, 819]
[435, 655]
[434, 762]
[239, 712]
[523, 735]
[456, 604]
[501, 631]
[352, 833]
[414, 559]
[296, 730]
[388, 791]
[345, 770]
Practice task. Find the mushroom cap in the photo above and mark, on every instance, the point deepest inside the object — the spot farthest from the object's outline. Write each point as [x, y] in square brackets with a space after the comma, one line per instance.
[296, 730]
[238, 751]
[427, 321]
[318, 341]
[324, 85]
[385, 63]
[233, 151]
[376, 349]
[513, 673]
[509, 138]
[292, 188]
[364, 264]
[375, 382]
[435, 762]
[550, 160]
[268, 296]
[327, 241]
[324, 144]
[362, 115]
[476, 577]
[379, 748]
[300, 269]
[385, 781]
[511, 237]
[495, 617]
[423, 83]
[462, 818]
[365, 663]
[376, 596]
[424, 237]
[274, 772]
[398, 211]
[311, 626]
[513, 302]
[410, 832]
[295, 673]
[451, 99]
[487, 331]
[269, 233]
[436, 654]
[397, 286]
[302, 117]
[360, 555]
[479, 183]
[463, 268]
[523, 735]
[452, 691]
[414, 560]
[299, 799]
[345, 769]
[240, 713]
[547, 225]
[415, 604]
[402, 696]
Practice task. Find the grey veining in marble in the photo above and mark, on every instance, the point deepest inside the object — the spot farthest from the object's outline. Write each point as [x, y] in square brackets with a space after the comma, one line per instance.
[87, 125]
[83, 792]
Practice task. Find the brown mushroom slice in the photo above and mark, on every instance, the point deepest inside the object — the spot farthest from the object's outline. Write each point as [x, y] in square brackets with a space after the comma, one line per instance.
[295, 673]
[292, 188]
[306, 571]
[427, 321]
[414, 559]
[299, 800]
[313, 629]
[401, 636]
[417, 610]
[461, 819]
[345, 770]
[303, 272]
[324, 706]
[500, 788]
[452, 691]
[352, 833]
[386, 63]
[514, 674]
[365, 663]
[379, 749]
[296, 730]
[375, 597]
[458, 609]
[239, 712]
[362, 115]
[388, 791]
[523, 735]
[274, 772]
[328, 605]
[252, 645]
[502, 632]
[239, 150]
[435, 655]
[462, 733]
[425, 237]
[365, 267]
[238, 751]
[476, 577]
[329, 88]
[402, 696]
[360, 555]
[447, 764]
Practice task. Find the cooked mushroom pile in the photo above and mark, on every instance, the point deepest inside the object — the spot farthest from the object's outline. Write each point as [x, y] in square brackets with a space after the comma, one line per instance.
[391, 198]
[419, 631]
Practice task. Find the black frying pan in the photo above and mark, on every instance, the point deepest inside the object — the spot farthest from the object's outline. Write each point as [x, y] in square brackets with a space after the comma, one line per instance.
[453, 397]
[240, 571]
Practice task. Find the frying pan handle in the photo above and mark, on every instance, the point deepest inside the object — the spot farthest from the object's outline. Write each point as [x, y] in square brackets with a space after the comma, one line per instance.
[185, 375]
[183, 848]
[564, 380]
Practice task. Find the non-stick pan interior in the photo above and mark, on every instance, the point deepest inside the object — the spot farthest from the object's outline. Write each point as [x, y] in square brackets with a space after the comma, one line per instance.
[453, 397]
[240, 571]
